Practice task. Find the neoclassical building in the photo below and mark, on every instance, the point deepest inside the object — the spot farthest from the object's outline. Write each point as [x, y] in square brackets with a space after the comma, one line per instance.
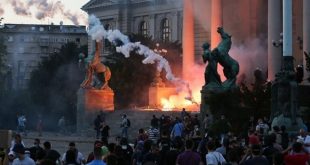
[243, 19]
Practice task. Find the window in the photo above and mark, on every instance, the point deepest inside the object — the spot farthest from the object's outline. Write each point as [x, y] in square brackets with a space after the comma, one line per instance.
[165, 30]
[143, 28]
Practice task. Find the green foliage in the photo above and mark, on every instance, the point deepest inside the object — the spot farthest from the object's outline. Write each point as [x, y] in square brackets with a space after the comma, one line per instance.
[131, 78]
[53, 85]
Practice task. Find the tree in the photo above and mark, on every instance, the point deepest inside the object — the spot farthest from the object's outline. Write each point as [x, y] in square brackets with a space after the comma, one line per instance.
[54, 84]
[131, 79]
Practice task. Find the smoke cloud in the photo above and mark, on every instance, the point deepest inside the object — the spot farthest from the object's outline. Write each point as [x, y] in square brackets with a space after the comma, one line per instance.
[44, 9]
[20, 8]
[250, 55]
[1, 10]
[97, 32]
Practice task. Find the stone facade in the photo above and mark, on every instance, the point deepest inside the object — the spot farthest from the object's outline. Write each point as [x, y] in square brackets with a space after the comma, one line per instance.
[28, 44]
[245, 20]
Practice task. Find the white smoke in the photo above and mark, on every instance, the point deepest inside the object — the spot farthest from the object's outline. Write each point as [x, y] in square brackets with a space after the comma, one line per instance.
[44, 9]
[97, 32]
[250, 55]
[1, 10]
[20, 8]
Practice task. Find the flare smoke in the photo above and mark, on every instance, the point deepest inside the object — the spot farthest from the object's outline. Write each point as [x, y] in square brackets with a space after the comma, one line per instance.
[1, 10]
[97, 32]
[45, 9]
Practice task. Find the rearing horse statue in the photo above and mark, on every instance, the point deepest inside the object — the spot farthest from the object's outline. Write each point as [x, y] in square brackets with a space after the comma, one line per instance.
[97, 74]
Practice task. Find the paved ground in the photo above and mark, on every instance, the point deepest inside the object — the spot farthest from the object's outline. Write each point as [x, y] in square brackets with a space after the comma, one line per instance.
[60, 142]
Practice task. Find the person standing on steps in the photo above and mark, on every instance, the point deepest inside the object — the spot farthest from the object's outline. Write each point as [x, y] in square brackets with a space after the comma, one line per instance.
[125, 125]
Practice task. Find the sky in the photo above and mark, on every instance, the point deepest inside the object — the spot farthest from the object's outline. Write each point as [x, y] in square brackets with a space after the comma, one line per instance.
[43, 12]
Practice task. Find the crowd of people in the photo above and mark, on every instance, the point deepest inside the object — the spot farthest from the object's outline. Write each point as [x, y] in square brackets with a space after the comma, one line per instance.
[183, 140]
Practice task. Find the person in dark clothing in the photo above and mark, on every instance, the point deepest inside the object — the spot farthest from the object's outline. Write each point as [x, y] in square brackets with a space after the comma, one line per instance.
[105, 132]
[153, 156]
[255, 157]
[35, 149]
[269, 151]
[71, 158]
[172, 154]
[195, 121]
[154, 122]
[50, 153]
[189, 156]
[164, 143]
[97, 126]
[285, 138]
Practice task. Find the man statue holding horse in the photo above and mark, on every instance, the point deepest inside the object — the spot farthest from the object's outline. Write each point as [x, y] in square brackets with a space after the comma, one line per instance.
[97, 74]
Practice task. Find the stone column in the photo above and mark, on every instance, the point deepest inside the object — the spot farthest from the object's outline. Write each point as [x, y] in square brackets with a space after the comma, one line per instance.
[174, 25]
[152, 25]
[216, 21]
[288, 61]
[287, 28]
[188, 37]
[274, 30]
[306, 33]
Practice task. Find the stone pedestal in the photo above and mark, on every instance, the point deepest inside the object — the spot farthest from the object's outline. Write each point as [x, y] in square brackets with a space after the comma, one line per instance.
[284, 98]
[156, 93]
[204, 107]
[90, 103]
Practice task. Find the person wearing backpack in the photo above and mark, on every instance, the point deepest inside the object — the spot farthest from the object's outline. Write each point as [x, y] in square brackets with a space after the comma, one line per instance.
[125, 125]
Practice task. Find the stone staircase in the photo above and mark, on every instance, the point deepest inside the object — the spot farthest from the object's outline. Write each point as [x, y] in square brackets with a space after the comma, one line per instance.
[138, 119]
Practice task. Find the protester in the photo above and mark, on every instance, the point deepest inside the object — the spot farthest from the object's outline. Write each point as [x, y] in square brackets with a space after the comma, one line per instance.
[125, 125]
[189, 156]
[98, 157]
[21, 159]
[78, 156]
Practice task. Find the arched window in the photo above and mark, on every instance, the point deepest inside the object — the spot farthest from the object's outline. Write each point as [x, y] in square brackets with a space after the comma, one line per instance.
[143, 28]
[165, 30]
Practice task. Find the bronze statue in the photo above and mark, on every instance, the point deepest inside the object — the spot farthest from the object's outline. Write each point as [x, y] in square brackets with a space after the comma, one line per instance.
[212, 78]
[220, 55]
[231, 66]
[97, 74]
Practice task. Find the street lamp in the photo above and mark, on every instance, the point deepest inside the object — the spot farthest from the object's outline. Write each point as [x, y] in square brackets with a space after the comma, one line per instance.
[279, 44]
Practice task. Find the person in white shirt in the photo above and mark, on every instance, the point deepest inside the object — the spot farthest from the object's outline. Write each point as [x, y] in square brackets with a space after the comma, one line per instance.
[17, 140]
[305, 139]
[213, 157]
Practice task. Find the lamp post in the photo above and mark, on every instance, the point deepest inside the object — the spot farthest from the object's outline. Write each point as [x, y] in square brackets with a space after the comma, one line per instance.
[279, 44]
